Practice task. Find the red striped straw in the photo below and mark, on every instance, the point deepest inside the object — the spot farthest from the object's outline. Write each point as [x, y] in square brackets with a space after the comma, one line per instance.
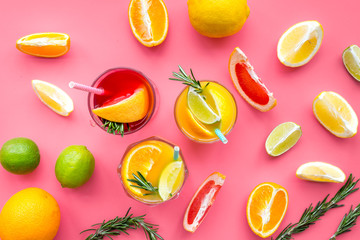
[79, 86]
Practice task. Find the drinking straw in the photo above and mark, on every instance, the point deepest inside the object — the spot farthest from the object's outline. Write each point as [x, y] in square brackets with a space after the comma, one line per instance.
[79, 86]
[221, 136]
[176, 152]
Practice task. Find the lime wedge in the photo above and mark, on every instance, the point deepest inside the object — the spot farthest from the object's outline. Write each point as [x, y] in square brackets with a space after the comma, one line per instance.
[282, 138]
[201, 110]
[168, 178]
[351, 60]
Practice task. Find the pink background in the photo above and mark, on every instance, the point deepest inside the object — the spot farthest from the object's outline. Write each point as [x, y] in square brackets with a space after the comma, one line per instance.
[101, 39]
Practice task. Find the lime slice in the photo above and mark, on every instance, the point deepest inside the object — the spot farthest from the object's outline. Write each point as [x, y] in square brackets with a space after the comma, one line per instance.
[168, 178]
[351, 60]
[282, 138]
[201, 110]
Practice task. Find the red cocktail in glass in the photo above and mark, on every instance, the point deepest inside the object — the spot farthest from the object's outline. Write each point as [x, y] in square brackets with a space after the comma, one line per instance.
[127, 104]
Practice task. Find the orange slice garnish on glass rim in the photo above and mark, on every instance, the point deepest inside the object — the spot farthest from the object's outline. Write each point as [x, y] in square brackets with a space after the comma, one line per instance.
[266, 208]
[126, 110]
[48, 44]
[248, 84]
[202, 200]
[149, 21]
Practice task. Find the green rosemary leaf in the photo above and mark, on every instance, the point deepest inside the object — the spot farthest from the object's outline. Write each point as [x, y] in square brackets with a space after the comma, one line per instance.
[142, 183]
[347, 222]
[313, 214]
[188, 80]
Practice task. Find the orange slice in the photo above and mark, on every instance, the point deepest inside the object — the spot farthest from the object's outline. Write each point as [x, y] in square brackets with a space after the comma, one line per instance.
[202, 201]
[266, 208]
[49, 44]
[140, 159]
[127, 110]
[149, 21]
[53, 97]
[248, 83]
[335, 114]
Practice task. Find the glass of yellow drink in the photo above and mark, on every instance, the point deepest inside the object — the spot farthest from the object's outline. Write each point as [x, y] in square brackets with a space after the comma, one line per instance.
[152, 172]
[199, 125]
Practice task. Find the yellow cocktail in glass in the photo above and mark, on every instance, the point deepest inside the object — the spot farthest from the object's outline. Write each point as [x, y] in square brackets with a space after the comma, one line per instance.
[205, 111]
[149, 171]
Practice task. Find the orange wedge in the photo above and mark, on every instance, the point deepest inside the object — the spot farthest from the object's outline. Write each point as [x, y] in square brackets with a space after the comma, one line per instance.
[248, 83]
[128, 110]
[202, 200]
[266, 208]
[49, 44]
[149, 21]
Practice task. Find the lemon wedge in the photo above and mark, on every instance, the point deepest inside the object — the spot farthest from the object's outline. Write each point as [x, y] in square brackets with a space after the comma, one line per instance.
[200, 109]
[351, 60]
[168, 178]
[335, 114]
[282, 138]
[299, 44]
[53, 97]
[320, 172]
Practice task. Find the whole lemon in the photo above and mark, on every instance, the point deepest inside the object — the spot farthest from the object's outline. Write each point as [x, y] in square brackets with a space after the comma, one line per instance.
[31, 214]
[218, 18]
[20, 155]
[74, 166]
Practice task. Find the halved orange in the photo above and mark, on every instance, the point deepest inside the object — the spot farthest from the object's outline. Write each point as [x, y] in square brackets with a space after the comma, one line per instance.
[248, 84]
[48, 44]
[266, 208]
[149, 21]
[202, 200]
[126, 110]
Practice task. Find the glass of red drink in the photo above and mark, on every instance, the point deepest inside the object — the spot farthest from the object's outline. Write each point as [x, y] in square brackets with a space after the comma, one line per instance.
[120, 84]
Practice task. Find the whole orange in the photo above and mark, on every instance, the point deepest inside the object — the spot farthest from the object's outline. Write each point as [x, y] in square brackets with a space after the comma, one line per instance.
[31, 214]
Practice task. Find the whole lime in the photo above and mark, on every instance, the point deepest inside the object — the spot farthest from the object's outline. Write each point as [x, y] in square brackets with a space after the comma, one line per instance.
[20, 155]
[74, 166]
[218, 18]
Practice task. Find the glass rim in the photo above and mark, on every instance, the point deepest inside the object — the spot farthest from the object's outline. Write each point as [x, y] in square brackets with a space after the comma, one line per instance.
[217, 139]
[90, 99]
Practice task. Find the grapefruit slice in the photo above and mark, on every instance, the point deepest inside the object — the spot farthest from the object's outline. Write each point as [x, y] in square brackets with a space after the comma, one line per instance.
[248, 84]
[126, 110]
[202, 200]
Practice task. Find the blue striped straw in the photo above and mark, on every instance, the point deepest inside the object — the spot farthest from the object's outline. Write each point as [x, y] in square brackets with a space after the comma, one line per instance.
[176, 152]
[221, 136]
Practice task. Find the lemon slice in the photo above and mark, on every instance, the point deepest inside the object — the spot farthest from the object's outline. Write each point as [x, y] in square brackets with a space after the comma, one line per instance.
[335, 114]
[351, 60]
[130, 109]
[201, 110]
[320, 172]
[53, 97]
[282, 138]
[168, 178]
[299, 44]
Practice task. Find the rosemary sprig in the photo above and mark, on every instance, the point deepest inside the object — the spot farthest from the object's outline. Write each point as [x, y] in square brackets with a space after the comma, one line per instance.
[143, 183]
[313, 214]
[189, 80]
[347, 222]
[118, 225]
[115, 127]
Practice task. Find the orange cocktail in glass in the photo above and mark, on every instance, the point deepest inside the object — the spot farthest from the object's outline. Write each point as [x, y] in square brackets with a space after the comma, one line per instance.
[150, 172]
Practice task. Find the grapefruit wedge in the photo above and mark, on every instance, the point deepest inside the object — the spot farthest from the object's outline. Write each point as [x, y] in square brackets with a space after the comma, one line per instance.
[202, 200]
[248, 84]
[126, 110]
